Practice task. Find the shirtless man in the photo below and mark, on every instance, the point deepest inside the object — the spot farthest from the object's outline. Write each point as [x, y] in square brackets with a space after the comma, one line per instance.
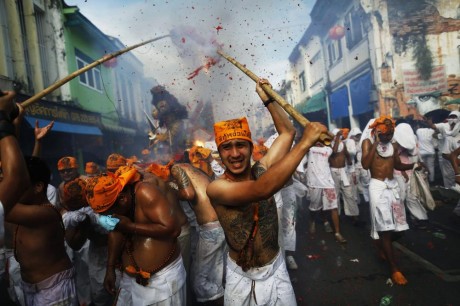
[48, 277]
[243, 199]
[387, 211]
[208, 265]
[143, 242]
[14, 179]
[338, 161]
[68, 170]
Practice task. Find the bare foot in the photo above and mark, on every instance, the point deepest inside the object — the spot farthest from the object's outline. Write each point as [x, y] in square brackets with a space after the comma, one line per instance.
[398, 278]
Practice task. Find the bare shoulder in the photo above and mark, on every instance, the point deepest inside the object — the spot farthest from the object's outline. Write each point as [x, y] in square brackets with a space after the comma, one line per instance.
[215, 188]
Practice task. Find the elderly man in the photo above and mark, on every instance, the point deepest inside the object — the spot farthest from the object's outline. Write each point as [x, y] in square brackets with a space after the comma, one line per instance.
[243, 199]
[143, 240]
[387, 211]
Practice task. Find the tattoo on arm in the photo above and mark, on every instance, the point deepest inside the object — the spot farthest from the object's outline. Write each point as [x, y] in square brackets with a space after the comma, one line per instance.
[258, 170]
[182, 178]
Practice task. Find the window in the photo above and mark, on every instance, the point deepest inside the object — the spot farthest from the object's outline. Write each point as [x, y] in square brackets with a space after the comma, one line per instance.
[334, 48]
[22, 23]
[6, 42]
[302, 81]
[354, 26]
[39, 20]
[91, 78]
[317, 68]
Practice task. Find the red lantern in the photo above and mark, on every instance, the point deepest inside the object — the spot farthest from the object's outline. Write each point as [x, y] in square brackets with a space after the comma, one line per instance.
[336, 32]
[110, 63]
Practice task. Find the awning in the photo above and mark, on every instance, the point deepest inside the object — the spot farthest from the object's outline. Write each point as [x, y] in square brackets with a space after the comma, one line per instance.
[112, 127]
[66, 127]
[339, 103]
[360, 92]
[314, 104]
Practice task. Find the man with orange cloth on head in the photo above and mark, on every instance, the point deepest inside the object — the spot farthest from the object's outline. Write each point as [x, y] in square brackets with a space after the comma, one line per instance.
[243, 199]
[142, 241]
[387, 211]
[68, 170]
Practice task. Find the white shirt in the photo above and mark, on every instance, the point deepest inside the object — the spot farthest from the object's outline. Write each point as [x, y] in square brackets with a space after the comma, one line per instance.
[443, 128]
[318, 171]
[425, 141]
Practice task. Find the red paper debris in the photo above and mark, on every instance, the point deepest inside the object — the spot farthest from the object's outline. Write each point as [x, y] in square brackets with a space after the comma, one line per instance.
[183, 40]
[219, 28]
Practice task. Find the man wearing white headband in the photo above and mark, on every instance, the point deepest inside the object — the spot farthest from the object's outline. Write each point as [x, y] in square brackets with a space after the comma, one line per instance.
[448, 132]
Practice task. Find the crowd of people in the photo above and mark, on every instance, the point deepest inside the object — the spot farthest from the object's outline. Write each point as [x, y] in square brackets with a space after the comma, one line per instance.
[216, 227]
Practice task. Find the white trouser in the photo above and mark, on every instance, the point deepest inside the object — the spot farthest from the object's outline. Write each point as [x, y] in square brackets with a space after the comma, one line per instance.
[428, 160]
[448, 174]
[344, 188]
[288, 218]
[413, 204]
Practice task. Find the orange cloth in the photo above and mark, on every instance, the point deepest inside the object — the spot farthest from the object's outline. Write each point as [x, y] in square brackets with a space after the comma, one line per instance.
[91, 168]
[383, 125]
[345, 132]
[74, 195]
[145, 152]
[197, 156]
[67, 162]
[232, 129]
[114, 161]
[258, 152]
[102, 191]
[161, 171]
[131, 160]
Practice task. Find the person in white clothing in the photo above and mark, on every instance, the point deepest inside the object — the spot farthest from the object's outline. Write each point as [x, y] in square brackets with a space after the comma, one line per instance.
[427, 149]
[445, 130]
[408, 153]
[338, 162]
[363, 176]
[321, 188]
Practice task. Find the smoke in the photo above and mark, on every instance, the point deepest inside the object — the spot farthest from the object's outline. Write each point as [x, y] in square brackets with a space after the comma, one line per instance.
[260, 35]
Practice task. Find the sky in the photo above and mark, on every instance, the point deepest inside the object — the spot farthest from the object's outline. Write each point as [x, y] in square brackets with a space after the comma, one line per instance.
[258, 34]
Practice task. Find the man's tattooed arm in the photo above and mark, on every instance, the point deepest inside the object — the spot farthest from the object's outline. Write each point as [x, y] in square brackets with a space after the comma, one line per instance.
[181, 177]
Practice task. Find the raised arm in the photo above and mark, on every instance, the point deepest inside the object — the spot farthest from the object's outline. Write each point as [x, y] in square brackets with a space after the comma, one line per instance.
[222, 192]
[15, 176]
[283, 125]
[40, 133]
[369, 149]
[186, 190]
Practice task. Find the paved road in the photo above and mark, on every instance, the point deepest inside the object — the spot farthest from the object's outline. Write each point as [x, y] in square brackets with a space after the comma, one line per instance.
[352, 274]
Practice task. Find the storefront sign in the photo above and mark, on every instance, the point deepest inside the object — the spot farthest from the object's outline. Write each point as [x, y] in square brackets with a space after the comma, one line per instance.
[414, 85]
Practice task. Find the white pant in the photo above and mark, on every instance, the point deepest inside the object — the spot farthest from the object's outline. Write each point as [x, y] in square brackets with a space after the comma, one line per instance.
[428, 160]
[448, 174]
[288, 218]
[349, 203]
[413, 204]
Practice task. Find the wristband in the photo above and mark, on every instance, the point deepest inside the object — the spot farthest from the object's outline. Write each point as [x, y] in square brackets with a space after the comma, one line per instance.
[6, 129]
[4, 116]
[268, 102]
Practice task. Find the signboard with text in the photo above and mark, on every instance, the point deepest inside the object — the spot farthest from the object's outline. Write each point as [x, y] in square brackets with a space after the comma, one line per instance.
[415, 86]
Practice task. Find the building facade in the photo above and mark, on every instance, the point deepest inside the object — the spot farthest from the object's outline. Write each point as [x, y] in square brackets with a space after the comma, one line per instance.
[362, 58]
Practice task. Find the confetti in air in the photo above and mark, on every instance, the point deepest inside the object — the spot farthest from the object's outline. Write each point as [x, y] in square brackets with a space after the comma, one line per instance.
[201, 49]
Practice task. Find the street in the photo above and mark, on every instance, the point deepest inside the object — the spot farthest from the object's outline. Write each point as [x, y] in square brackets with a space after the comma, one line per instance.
[353, 274]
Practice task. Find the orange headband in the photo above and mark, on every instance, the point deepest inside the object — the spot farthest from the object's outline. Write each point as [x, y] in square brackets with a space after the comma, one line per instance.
[67, 162]
[102, 191]
[383, 125]
[91, 168]
[114, 161]
[232, 129]
[160, 171]
[74, 195]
